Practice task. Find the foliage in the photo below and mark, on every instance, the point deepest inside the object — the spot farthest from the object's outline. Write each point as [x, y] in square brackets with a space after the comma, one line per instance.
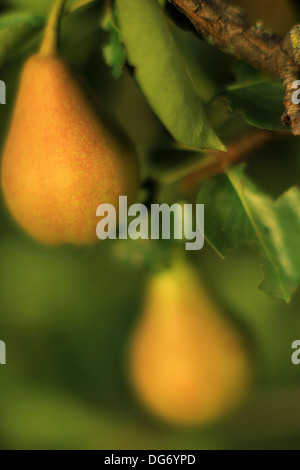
[68, 313]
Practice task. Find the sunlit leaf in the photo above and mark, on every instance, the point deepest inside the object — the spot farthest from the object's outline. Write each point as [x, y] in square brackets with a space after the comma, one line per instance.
[81, 4]
[161, 73]
[237, 212]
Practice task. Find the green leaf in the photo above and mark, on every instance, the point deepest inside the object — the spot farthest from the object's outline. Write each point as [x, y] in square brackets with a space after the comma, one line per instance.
[78, 5]
[43, 7]
[33, 6]
[161, 73]
[10, 20]
[226, 221]
[237, 212]
[113, 52]
[15, 30]
[261, 103]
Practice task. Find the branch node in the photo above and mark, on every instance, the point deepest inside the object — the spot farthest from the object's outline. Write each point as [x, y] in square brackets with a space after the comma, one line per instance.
[226, 27]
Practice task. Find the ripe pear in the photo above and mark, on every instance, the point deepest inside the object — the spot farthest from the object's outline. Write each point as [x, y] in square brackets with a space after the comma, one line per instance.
[188, 365]
[64, 156]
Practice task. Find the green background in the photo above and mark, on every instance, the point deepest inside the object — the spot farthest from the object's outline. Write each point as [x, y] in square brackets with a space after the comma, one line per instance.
[66, 314]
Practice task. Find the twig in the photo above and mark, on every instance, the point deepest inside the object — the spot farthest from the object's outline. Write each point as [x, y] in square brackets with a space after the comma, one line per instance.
[225, 27]
[51, 39]
[237, 152]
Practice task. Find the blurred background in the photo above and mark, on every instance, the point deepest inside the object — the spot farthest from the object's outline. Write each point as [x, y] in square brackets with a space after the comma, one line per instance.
[66, 314]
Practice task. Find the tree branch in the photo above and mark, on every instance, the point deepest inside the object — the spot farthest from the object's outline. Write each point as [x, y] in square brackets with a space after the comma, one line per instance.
[238, 151]
[225, 27]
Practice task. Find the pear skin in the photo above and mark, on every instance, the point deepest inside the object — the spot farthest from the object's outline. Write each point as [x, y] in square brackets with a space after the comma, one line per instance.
[187, 364]
[63, 156]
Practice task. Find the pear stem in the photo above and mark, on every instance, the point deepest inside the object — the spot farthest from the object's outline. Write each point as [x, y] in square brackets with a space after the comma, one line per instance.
[50, 42]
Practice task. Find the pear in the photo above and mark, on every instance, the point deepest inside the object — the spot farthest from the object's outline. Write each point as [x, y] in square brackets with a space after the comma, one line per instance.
[64, 156]
[188, 365]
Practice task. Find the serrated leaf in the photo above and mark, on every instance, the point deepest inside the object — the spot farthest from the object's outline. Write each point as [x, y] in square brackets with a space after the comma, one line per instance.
[237, 212]
[15, 30]
[261, 103]
[161, 73]
[226, 221]
[113, 52]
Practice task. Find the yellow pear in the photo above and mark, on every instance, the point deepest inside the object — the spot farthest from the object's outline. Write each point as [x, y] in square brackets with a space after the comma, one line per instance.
[63, 156]
[188, 365]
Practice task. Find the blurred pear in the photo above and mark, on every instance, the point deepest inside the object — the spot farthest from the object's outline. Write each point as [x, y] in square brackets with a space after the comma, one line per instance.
[187, 364]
